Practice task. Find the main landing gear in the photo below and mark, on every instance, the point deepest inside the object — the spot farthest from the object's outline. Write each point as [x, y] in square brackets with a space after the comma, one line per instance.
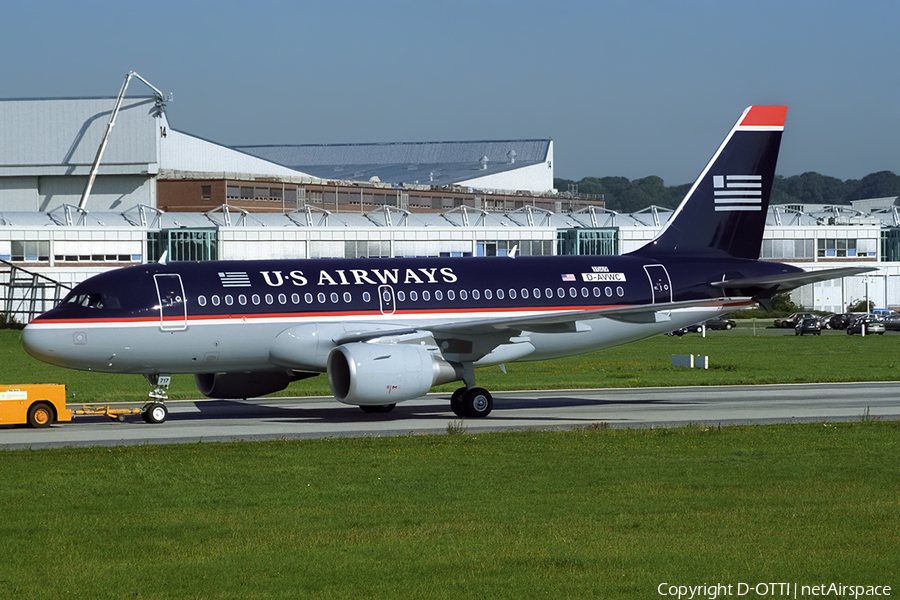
[155, 410]
[472, 402]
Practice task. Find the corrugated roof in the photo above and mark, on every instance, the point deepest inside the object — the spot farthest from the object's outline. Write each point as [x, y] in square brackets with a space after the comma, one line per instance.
[436, 163]
[61, 136]
[71, 216]
[25, 219]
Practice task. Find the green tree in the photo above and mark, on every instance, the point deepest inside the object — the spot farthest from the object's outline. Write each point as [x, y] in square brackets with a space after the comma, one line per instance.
[783, 305]
[624, 195]
[875, 185]
[812, 188]
[861, 306]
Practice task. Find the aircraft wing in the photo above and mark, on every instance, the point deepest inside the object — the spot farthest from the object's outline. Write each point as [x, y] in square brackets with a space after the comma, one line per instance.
[560, 322]
[564, 321]
[784, 282]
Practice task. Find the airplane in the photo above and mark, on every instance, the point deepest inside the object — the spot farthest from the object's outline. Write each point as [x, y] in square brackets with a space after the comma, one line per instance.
[387, 330]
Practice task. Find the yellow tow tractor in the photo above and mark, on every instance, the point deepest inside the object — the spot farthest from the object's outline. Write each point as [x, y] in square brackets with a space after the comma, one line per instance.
[42, 405]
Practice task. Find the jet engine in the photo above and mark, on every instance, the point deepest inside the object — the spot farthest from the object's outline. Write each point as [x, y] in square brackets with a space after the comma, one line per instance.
[380, 374]
[250, 384]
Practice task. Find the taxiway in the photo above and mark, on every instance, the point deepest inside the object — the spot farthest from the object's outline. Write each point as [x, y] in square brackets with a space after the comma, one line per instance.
[268, 418]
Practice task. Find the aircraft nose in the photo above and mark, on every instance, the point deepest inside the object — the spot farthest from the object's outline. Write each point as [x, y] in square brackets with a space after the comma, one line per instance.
[42, 344]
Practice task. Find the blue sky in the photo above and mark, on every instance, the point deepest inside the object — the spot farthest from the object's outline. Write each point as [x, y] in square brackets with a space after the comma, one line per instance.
[624, 88]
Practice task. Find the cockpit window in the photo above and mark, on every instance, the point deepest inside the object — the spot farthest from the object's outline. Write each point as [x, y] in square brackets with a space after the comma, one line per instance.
[93, 300]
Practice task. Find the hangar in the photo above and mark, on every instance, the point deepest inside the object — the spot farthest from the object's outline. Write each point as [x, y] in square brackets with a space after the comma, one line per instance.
[162, 190]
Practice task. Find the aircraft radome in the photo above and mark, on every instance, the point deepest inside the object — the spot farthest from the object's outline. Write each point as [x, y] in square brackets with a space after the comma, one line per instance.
[387, 330]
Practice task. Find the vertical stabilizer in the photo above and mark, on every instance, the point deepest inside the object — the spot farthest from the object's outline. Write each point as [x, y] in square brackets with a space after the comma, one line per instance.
[725, 210]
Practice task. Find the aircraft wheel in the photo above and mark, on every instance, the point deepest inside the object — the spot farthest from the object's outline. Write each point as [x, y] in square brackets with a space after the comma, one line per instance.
[377, 408]
[456, 402]
[477, 403]
[155, 412]
[40, 415]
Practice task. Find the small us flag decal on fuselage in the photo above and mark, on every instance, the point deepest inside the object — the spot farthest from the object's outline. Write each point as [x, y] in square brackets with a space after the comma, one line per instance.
[738, 192]
[234, 279]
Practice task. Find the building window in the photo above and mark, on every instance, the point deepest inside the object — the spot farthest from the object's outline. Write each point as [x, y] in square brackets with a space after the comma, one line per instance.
[366, 249]
[847, 248]
[890, 244]
[791, 249]
[183, 244]
[523, 247]
[30, 251]
[588, 241]
[206, 192]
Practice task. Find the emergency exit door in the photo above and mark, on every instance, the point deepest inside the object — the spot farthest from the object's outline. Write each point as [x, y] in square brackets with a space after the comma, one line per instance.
[172, 305]
[660, 284]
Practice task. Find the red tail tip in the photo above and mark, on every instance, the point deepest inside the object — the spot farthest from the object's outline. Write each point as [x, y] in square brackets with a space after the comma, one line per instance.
[765, 116]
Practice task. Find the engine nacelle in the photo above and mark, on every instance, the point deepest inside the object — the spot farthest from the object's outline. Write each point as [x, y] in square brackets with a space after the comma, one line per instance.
[250, 384]
[372, 373]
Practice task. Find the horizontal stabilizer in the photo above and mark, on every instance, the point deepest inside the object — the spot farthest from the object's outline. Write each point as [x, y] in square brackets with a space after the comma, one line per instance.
[785, 282]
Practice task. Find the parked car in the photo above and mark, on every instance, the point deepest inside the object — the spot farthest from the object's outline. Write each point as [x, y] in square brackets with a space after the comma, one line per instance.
[720, 324]
[892, 322]
[872, 324]
[717, 323]
[841, 320]
[810, 325]
[792, 320]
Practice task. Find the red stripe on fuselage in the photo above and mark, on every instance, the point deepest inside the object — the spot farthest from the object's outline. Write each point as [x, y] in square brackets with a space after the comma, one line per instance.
[310, 315]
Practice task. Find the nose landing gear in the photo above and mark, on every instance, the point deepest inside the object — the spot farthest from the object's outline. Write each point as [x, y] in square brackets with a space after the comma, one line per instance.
[155, 410]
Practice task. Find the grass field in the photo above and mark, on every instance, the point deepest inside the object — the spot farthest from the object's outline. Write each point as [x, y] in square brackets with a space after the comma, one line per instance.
[584, 513]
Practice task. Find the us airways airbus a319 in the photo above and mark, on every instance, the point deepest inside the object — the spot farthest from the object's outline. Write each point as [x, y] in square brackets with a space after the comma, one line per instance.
[387, 330]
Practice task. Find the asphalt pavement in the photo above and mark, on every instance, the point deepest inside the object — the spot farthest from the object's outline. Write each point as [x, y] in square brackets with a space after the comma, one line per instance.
[270, 418]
